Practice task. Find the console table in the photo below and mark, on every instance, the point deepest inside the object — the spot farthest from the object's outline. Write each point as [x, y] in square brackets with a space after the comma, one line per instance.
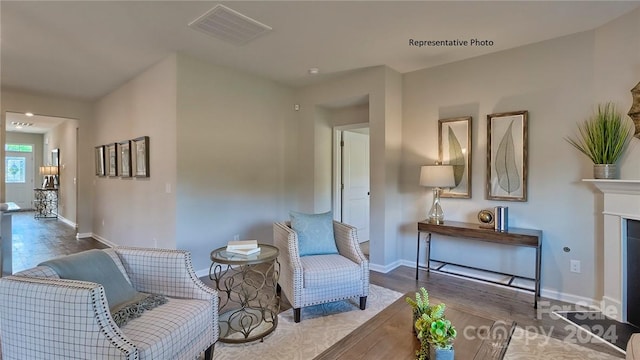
[46, 203]
[514, 237]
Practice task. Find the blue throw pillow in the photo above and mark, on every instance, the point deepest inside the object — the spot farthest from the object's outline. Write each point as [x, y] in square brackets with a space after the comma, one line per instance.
[315, 233]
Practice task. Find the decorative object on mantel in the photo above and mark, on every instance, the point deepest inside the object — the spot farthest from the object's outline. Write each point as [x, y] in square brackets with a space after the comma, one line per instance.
[486, 218]
[438, 177]
[603, 138]
[634, 112]
[435, 332]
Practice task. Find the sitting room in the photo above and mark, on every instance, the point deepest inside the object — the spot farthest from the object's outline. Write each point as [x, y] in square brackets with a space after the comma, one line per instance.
[427, 144]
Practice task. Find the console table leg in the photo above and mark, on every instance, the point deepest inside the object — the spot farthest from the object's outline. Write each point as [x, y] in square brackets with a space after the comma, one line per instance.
[536, 295]
[418, 256]
[429, 253]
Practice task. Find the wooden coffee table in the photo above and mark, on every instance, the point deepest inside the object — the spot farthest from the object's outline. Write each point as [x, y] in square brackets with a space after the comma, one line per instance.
[389, 335]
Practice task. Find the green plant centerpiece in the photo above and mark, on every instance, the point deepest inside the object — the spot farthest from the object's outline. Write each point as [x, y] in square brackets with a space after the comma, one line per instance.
[603, 138]
[434, 331]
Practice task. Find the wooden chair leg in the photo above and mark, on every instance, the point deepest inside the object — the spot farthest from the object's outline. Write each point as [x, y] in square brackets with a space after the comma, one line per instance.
[208, 354]
[363, 302]
[296, 315]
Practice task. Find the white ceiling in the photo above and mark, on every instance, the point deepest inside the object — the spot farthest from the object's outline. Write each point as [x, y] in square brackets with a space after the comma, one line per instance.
[40, 124]
[85, 49]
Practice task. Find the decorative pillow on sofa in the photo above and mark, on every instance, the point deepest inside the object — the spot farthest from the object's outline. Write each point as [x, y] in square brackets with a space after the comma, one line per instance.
[125, 302]
[315, 233]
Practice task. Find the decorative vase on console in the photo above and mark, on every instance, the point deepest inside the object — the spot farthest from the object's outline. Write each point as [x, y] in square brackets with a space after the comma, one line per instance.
[603, 138]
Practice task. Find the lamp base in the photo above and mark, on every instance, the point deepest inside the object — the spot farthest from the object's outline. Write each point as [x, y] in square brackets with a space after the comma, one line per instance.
[48, 183]
[436, 216]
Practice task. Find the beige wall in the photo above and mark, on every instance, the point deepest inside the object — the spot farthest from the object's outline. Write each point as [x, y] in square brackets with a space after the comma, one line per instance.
[616, 72]
[349, 115]
[559, 82]
[21, 102]
[63, 137]
[232, 157]
[313, 151]
[139, 211]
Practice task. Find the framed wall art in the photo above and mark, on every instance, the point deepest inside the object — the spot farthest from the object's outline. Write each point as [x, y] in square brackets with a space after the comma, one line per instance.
[99, 160]
[507, 156]
[454, 148]
[112, 159]
[141, 156]
[124, 158]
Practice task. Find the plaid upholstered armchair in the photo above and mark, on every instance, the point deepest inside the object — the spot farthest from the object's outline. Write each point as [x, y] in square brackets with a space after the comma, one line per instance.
[316, 279]
[45, 317]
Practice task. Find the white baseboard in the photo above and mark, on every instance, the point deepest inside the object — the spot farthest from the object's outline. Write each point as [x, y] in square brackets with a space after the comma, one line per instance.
[570, 298]
[385, 268]
[545, 293]
[67, 221]
[97, 237]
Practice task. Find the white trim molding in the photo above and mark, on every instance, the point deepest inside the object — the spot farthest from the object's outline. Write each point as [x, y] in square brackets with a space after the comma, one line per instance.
[621, 202]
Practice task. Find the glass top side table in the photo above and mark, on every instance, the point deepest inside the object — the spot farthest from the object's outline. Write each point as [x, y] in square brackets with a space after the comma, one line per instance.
[247, 284]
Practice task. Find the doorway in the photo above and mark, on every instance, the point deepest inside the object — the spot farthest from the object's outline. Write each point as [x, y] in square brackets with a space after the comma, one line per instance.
[19, 174]
[52, 141]
[352, 178]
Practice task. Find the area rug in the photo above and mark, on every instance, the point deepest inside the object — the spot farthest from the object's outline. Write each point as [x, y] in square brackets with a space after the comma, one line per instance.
[530, 345]
[596, 324]
[321, 326]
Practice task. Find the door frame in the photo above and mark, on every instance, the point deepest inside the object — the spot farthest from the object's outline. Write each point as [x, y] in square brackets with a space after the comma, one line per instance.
[34, 172]
[337, 166]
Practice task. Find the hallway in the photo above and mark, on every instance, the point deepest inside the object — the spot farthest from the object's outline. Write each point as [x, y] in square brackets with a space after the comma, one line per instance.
[35, 241]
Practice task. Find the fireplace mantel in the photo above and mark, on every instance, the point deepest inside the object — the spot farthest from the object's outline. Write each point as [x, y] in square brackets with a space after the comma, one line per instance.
[621, 202]
[616, 186]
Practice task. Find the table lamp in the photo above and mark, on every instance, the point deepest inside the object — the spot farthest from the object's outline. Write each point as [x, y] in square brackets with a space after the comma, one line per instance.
[436, 177]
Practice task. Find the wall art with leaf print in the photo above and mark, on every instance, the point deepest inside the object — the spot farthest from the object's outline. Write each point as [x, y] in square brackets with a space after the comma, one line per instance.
[454, 148]
[507, 156]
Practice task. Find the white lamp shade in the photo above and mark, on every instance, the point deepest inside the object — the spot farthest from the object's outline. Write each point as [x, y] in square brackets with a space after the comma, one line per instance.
[440, 176]
[48, 170]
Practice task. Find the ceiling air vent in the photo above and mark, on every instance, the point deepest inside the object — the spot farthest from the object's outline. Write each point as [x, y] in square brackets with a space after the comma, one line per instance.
[229, 25]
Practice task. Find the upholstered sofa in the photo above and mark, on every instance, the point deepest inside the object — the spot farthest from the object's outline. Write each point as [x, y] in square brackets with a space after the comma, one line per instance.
[45, 317]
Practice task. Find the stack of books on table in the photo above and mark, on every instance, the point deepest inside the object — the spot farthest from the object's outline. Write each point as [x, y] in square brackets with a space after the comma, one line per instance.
[243, 247]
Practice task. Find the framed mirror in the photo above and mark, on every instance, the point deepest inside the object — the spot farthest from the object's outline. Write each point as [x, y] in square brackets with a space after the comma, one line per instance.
[55, 161]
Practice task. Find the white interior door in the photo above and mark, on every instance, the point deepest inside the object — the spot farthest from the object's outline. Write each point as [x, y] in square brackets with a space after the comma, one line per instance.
[19, 178]
[355, 180]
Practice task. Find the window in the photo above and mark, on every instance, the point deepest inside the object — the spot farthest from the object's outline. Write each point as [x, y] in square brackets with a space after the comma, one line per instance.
[18, 148]
[15, 170]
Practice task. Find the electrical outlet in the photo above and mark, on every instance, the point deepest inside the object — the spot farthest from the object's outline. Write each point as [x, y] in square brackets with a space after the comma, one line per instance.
[236, 237]
[575, 266]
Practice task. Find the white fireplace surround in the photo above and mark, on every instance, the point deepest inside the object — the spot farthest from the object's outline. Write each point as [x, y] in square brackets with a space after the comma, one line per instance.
[621, 202]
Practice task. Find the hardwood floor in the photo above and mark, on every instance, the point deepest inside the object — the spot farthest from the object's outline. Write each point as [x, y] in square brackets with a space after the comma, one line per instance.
[504, 303]
[37, 240]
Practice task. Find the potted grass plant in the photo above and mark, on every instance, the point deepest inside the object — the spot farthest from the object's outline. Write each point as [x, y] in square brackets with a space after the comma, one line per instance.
[603, 138]
[434, 331]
